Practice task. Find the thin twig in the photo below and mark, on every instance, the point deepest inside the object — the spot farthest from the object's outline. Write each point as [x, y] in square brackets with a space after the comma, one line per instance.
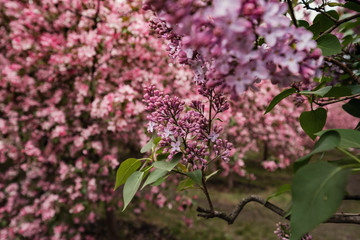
[337, 24]
[320, 10]
[336, 101]
[206, 192]
[352, 197]
[230, 218]
[344, 67]
[291, 11]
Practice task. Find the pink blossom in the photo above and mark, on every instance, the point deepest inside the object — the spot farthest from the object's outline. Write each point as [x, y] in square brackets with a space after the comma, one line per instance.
[270, 165]
[77, 208]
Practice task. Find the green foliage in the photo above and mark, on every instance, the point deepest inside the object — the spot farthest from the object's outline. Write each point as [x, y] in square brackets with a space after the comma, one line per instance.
[313, 121]
[353, 6]
[154, 176]
[348, 138]
[185, 184]
[329, 44]
[317, 191]
[352, 107]
[150, 144]
[327, 141]
[131, 186]
[126, 168]
[322, 23]
[196, 176]
[168, 166]
[330, 91]
[303, 23]
[280, 97]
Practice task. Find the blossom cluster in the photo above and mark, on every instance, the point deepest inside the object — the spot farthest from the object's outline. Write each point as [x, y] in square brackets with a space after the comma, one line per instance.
[72, 75]
[191, 132]
[233, 44]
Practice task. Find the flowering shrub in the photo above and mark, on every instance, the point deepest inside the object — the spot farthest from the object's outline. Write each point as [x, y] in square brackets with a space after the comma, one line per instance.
[72, 78]
[71, 85]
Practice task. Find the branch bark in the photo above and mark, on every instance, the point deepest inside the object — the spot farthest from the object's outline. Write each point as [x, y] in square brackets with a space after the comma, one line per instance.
[344, 67]
[338, 23]
[349, 218]
[321, 104]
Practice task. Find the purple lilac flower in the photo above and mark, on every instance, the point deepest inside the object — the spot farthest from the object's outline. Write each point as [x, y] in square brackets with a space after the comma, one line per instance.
[191, 129]
[219, 39]
[283, 232]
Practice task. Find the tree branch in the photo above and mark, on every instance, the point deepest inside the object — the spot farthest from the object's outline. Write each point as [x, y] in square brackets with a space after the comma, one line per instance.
[336, 101]
[344, 67]
[318, 9]
[338, 23]
[291, 11]
[352, 197]
[230, 218]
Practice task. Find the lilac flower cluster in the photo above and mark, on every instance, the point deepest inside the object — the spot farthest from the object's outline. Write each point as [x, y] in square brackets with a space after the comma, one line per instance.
[233, 44]
[283, 232]
[191, 132]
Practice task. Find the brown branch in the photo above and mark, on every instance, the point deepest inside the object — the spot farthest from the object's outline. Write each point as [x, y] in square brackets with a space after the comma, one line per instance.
[344, 67]
[291, 11]
[230, 218]
[205, 190]
[337, 24]
[95, 57]
[352, 197]
[320, 10]
[336, 101]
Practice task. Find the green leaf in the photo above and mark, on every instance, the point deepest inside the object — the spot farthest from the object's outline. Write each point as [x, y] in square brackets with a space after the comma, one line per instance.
[162, 156]
[185, 184]
[154, 176]
[126, 168]
[211, 174]
[313, 121]
[157, 140]
[348, 138]
[334, 4]
[353, 6]
[168, 166]
[131, 186]
[355, 89]
[321, 92]
[352, 107]
[346, 40]
[280, 97]
[337, 92]
[283, 189]
[328, 141]
[196, 176]
[330, 91]
[149, 145]
[159, 181]
[322, 23]
[329, 45]
[299, 163]
[317, 191]
[303, 23]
